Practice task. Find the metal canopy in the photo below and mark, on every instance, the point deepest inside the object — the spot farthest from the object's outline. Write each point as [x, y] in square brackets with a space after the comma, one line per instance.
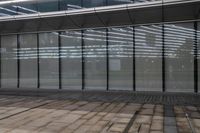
[128, 14]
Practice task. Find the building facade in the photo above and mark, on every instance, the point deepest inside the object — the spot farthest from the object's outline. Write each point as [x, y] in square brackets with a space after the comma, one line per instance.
[156, 52]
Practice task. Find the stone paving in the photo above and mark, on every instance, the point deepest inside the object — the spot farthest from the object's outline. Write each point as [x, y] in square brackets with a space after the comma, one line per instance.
[30, 114]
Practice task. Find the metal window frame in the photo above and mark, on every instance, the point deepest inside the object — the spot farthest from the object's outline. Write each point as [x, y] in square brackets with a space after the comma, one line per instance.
[195, 58]
[18, 61]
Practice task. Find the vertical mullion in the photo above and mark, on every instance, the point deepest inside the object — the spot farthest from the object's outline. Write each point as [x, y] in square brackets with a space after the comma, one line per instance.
[134, 89]
[0, 61]
[163, 49]
[83, 59]
[18, 61]
[195, 59]
[107, 59]
[82, 55]
[163, 58]
[59, 61]
[38, 61]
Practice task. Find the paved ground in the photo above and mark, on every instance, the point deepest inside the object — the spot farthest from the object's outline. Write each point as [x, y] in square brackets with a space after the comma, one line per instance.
[99, 112]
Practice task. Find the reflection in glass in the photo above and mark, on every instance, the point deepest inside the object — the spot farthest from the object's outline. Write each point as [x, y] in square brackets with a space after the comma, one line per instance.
[70, 4]
[148, 58]
[95, 59]
[118, 2]
[9, 61]
[48, 54]
[121, 58]
[18, 8]
[28, 60]
[71, 60]
[93, 3]
[47, 5]
[179, 59]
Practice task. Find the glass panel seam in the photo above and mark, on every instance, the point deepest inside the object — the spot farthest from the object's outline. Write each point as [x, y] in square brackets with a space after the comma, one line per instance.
[195, 59]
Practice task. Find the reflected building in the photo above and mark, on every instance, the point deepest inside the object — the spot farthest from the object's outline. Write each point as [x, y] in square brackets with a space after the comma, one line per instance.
[137, 54]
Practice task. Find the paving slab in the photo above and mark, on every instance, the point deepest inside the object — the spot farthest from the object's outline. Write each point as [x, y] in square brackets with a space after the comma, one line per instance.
[29, 114]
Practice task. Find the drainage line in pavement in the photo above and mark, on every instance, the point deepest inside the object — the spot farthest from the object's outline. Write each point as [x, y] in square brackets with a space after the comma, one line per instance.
[130, 122]
[190, 123]
[23, 111]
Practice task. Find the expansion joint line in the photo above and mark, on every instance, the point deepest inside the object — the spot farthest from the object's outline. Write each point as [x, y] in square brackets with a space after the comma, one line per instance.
[132, 120]
[189, 120]
[6, 117]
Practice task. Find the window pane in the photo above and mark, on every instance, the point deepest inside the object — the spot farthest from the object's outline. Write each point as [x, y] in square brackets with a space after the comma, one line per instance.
[95, 59]
[121, 58]
[18, 8]
[94, 3]
[70, 4]
[71, 56]
[148, 55]
[118, 2]
[28, 60]
[136, 1]
[179, 59]
[47, 5]
[9, 61]
[26, 7]
[7, 10]
[48, 53]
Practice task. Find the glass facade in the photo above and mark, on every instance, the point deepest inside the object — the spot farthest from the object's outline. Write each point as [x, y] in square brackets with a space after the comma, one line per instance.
[15, 7]
[179, 57]
[120, 46]
[148, 58]
[48, 60]
[95, 59]
[70, 4]
[71, 60]
[9, 67]
[140, 58]
[93, 3]
[118, 2]
[28, 61]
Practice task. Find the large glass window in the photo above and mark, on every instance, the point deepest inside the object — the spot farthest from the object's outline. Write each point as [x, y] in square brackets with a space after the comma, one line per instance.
[148, 58]
[28, 61]
[71, 60]
[179, 59]
[48, 54]
[95, 59]
[9, 61]
[121, 58]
